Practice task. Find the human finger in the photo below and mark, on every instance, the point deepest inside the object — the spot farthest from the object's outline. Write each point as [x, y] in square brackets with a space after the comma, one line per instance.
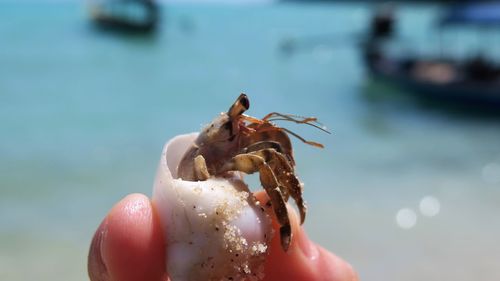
[304, 260]
[129, 243]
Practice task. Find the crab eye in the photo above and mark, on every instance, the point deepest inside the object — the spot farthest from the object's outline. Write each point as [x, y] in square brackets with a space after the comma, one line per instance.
[228, 126]
[239, 106]
[244, 101]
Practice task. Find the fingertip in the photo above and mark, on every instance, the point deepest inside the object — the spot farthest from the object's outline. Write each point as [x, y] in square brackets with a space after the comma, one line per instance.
[129, 243]
[281, 264]
[304, 260]
[336, 268]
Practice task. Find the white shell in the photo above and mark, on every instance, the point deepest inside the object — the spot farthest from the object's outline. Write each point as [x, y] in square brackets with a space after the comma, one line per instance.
[215, 229]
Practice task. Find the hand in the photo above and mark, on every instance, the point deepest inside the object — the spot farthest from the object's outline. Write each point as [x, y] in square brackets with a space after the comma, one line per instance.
[129, 246]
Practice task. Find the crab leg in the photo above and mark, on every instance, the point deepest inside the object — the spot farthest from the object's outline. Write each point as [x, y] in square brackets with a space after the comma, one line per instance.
[274, 146]
[267, 132]
[251, 163]
[263, 130]
[200, 168]
[286, 176]
[263, 145]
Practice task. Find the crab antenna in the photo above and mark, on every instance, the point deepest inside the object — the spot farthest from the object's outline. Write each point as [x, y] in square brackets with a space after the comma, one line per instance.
[322, 128]
[311, 121]
[315, 144]
[239, 106]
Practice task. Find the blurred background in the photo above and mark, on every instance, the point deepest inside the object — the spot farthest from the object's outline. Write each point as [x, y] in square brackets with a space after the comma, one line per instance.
[407, 188]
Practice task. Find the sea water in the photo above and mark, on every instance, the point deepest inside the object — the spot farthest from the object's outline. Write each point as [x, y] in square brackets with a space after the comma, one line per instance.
[403, 191]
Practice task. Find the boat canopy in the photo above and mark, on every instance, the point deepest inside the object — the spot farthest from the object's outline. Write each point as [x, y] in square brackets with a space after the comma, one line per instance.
[480, 14]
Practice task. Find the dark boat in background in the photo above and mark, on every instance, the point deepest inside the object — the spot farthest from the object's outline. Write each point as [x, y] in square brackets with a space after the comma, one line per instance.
[485, 14]
[473, 82]
[134, 16]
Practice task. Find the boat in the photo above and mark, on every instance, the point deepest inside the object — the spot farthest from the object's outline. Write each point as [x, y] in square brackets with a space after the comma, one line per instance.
[473, 82]
[134, 16]
[485, 14]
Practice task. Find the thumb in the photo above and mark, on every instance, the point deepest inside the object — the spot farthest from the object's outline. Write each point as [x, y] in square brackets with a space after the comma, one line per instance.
[128, 245]
[304, 260]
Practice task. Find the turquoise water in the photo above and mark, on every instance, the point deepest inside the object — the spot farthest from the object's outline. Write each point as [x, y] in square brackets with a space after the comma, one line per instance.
[84, 116]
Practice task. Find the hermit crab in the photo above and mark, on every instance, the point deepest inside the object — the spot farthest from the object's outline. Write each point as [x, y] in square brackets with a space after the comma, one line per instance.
[215, 228]
[237, 142]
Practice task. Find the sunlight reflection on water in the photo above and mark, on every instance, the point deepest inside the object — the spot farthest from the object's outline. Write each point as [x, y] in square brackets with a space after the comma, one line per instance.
[406, 218]
[429, 206]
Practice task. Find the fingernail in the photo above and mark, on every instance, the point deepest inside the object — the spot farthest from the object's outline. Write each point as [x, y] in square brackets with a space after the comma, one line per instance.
[97, 269]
